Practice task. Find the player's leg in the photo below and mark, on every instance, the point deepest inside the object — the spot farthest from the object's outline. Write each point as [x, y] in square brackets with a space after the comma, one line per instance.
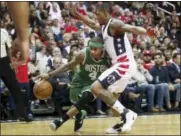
[127, 118]
[100, 89]
[76, 109]
[11, 83]
[85, 97]
[73, 94]
[112, 78]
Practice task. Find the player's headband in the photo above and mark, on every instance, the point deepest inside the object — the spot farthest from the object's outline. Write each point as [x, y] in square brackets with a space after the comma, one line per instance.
[95, 45]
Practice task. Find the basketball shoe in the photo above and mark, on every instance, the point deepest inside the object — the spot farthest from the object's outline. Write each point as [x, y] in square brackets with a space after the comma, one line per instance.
[127, 120]
[79, 120]
[56, 124]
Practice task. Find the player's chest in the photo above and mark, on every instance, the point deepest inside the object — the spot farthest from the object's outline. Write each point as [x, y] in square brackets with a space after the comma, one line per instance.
[95, 68]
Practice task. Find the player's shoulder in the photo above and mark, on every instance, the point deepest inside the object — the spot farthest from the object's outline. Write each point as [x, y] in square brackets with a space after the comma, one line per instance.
[116, 21]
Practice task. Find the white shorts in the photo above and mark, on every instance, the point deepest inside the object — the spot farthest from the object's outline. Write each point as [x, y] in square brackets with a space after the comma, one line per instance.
[115, 79]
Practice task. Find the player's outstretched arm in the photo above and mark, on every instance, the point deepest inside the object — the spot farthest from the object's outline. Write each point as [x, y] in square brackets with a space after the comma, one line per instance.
[120, 26]
[19, 12]
[69, 66]
[86, 20]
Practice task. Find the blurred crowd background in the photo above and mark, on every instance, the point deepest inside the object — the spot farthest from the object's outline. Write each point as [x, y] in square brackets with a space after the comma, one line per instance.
[56, 36]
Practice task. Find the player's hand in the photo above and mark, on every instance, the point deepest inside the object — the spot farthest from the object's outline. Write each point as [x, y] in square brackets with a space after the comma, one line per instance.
[43, 77]
[14, 65]
[151, 32]
[24, 49]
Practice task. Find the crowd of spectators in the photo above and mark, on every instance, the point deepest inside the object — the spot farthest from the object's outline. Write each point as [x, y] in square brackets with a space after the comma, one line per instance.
[56, 36]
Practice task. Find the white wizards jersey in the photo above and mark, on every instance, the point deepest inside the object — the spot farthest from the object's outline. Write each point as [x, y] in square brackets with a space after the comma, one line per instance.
[118, 48]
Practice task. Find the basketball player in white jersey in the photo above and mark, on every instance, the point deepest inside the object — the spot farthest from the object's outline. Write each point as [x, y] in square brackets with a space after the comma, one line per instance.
[115, 79]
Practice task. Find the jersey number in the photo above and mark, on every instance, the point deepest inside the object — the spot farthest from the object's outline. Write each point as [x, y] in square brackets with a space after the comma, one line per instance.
[93, 75]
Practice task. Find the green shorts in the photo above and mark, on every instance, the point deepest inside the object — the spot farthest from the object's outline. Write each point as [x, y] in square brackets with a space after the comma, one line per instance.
[76, 93]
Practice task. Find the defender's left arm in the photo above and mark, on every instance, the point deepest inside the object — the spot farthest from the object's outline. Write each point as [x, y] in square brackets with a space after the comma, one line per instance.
[120, 26]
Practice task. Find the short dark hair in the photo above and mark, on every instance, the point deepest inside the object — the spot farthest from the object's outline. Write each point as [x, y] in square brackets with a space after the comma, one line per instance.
[157, 54]
[105, 7]
[175, 55]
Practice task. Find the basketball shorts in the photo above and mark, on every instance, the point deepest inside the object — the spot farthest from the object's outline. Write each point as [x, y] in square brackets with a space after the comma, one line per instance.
[115, 79]
[76, 92]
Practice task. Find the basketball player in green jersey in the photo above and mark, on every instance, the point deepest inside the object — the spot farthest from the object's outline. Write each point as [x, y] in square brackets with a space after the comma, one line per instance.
[91, 61]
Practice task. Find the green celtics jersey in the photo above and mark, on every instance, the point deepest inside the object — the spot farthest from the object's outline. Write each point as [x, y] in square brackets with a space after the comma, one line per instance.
[90, 70]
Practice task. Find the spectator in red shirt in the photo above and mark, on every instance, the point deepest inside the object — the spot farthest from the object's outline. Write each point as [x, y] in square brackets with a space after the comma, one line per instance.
[23, 80]
[69, 27]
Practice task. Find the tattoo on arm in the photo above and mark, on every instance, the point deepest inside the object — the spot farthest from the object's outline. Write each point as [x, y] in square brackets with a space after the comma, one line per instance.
[134, 29]
[121, 26]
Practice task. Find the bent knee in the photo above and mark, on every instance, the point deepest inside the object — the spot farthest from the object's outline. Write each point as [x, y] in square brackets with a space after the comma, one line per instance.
[96, 88]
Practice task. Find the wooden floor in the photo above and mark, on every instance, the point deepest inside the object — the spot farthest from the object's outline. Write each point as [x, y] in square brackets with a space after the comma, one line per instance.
[144, 125]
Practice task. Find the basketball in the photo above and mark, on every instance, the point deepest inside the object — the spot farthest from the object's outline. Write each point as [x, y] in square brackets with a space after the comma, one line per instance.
[42, 89]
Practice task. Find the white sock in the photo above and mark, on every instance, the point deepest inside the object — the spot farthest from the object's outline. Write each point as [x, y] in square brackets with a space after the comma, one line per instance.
[118, 107]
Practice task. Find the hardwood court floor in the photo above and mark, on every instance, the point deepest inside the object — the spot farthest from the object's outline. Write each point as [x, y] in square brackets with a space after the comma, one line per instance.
[144, 125]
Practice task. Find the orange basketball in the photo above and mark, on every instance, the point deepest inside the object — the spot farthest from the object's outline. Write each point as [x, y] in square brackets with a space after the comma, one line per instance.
[42, 89]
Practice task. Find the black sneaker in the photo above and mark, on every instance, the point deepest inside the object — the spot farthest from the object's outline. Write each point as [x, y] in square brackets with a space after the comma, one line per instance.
[79, 120]
[56, 124]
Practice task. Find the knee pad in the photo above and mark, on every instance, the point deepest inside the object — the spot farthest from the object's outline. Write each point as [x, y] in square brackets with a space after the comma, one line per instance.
[85, 99]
